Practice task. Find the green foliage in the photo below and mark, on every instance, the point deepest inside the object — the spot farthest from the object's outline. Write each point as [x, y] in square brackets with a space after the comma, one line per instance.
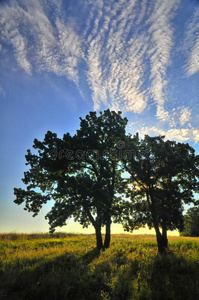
[70, 267]
[191, 222]
[81, 173]
[164, 175]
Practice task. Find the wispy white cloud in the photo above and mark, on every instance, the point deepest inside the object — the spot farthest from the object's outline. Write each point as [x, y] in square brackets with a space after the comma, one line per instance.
[129, 34]
[181, 135]
[95, 76]
[179, 116]
[114, 70]
[179, 123]
[69, 51]
[192, 44]
[39, 43]
[185, 115]
[21, 55]
[161, 42]
[11, 33]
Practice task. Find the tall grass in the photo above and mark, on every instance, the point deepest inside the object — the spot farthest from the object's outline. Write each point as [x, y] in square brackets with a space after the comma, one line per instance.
[66, 266]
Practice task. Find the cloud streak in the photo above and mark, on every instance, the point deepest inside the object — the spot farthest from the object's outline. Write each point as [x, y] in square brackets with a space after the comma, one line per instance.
[192, 44]
[118, 58]
[11, 33]
[161, 42]
[38, 44]
[181, 135]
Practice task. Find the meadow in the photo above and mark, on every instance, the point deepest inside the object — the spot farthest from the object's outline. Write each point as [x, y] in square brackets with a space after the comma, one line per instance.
[68, 266]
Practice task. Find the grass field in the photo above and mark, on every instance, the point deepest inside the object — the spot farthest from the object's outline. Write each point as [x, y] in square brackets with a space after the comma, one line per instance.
[66, 266]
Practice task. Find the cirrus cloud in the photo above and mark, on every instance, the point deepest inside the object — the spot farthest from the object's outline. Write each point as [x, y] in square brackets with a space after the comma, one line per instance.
[181, 135]
[121, 51]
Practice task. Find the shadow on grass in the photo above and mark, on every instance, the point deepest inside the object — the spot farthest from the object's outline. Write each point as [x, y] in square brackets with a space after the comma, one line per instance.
[174, 278]
[113, 277]
[64, 277]
[91, 255]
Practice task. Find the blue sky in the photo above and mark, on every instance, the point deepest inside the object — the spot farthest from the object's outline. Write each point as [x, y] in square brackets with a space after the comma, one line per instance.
[61, 59]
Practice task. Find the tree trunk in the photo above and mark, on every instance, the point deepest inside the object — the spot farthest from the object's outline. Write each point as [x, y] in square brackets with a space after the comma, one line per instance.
[162, 240]
[108, 234]
[159, 237]
[164, 236]
[158, 233]
[161, 248]
[159, 240]
[98, 237]
[97, 227]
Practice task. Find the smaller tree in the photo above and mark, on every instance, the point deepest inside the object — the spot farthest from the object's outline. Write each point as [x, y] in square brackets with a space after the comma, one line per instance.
[163, 176]
[191, 222]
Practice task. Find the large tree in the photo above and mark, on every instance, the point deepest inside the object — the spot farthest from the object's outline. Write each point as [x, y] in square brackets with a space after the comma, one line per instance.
[163, 176]
[81, 173]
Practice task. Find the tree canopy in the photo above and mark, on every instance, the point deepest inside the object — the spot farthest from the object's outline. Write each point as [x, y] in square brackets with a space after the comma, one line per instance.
[163, 176]
[81, 173]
